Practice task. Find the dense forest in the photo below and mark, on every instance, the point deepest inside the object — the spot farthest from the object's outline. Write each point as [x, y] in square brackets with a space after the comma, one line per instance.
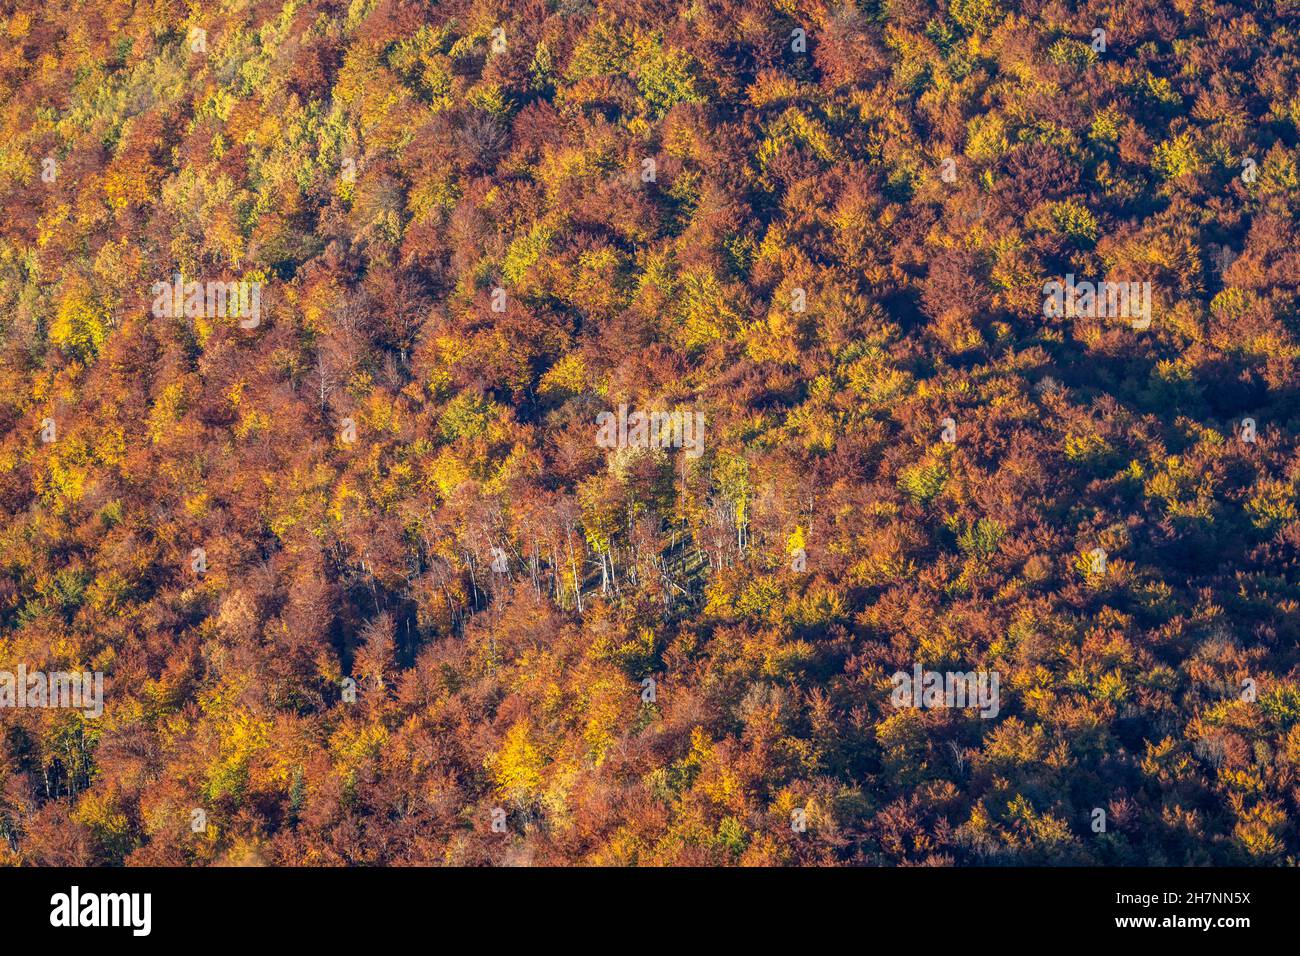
[366, 587]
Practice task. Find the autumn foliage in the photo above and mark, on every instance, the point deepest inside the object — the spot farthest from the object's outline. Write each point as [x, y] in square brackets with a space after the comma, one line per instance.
[428, 594]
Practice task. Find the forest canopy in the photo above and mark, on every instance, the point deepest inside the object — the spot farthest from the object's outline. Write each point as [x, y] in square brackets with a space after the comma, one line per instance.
[553, 431]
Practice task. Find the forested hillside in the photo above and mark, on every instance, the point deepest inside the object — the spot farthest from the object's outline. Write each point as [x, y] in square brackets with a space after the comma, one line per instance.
[364, 582]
